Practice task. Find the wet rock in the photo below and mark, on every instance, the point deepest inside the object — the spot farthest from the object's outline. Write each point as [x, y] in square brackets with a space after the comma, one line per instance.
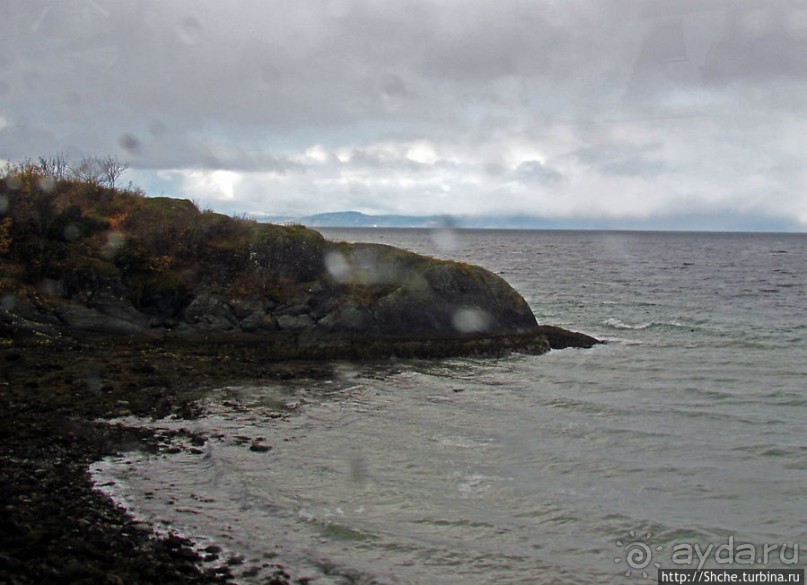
[90, 320]
[295, 322]
[210, 312]
[258, 323]
[349, 317]
[560, 338]
[260, 448]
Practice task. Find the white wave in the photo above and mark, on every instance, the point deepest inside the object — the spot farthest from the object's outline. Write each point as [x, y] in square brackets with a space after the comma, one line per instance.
[619, 324]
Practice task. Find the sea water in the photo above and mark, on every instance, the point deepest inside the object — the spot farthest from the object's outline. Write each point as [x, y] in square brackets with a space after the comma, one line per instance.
[683, 434]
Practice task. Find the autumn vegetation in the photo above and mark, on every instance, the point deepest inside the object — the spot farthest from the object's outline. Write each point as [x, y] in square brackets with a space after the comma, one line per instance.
[72, 232]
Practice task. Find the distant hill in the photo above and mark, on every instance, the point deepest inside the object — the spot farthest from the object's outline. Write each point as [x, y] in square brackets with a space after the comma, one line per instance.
[357, 219]
[687, 222]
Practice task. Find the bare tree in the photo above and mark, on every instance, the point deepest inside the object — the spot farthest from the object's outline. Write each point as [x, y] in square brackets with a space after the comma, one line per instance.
[55, 166]
[111, 169]
[89, 171]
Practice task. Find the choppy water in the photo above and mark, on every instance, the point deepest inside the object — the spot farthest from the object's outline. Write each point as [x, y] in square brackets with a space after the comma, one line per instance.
[686, 429]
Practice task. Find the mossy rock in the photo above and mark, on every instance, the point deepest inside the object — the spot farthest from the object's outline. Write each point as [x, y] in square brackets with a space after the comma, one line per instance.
[287, 253]
[166, 209]
[389, 291]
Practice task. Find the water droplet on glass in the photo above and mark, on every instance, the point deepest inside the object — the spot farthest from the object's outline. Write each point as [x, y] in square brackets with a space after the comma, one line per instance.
[4, 203]
[190, 30]
[358, 469]
[445, 239]
[471, 320]
[94, 383]
[392, 86]
[157, 128]
[8, 302]
[13, 182]
[113, 241]
[130, 144]
[337, 266]
[47, 184]
[445, 236]
[71, 233]
[48, 287]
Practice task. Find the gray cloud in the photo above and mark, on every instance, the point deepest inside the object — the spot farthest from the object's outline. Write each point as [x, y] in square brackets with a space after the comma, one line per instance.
[536, 171]
[423, 106]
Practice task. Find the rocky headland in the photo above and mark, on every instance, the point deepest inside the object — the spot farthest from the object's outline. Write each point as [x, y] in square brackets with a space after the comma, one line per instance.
[114, 303]
[80, 261]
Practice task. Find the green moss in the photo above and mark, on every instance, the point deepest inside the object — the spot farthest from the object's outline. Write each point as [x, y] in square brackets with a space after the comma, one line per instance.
[170, 207]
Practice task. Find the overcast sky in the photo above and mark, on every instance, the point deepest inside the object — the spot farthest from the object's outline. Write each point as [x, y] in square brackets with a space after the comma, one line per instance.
[690, 113]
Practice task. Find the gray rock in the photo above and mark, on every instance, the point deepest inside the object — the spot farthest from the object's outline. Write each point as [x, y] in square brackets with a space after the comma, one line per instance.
[295, 322]
[81, 318]
[258, 323]
[210, 312]
[297, 306]
[243, 308]
[348, 318]
[388, 291]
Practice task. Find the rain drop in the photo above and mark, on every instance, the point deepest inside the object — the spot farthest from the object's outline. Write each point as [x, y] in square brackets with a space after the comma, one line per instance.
[49, 287]
[157, 128]
[445, 238]
[71, 233]
[47, 184]
[337, 266]
[358, 469]
[190, 30]
[130, 144]
[444, 234]
[471, 320]
[114, 241]
[392, 86]
[8, 302]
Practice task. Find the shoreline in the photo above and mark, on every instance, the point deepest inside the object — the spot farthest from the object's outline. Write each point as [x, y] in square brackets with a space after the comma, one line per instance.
[56, 526]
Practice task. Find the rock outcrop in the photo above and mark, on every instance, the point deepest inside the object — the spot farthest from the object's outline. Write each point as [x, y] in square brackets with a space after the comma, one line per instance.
[337, 300]
[81, 261]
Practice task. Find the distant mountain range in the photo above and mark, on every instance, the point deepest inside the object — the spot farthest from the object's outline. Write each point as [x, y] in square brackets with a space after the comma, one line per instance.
[355, 219]
[689, 222]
